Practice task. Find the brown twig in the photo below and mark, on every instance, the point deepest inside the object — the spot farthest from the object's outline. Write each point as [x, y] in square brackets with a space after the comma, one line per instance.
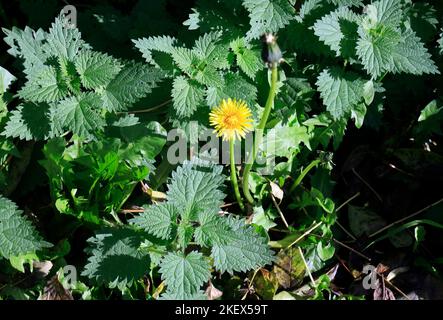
[352, 249]
[148, 109]
[347, 201]
[279, 211]
[367, 184]
[315, 226]
[126, 211]
[406, 218]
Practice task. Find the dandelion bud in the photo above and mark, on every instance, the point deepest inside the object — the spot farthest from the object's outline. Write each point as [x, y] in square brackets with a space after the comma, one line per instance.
[271, 53]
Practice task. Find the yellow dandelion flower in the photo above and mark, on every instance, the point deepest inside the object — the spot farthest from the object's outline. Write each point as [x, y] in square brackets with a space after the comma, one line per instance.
[232, 119]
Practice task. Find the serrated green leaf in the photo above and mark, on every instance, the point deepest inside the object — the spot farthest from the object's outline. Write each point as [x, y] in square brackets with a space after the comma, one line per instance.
[132, 83]
[247, 59]
[187, 96]
[147, 45]
[81, 115]
[44, 85]
[185, 59]
[195, 188]
[411, 56]
[307, 8]
[29, 121]
[116, 257]
[185, 232]
[6, 78]
[213, 229]
[388, 12]
[63, 41]
[157, 220]
[356, 3]
[173, 295]
[184, 274]
[17, 235]
[27, 44]
[375, 49]
[247, 250]
[340, 91]
[96, 69]
[236, 87]
[268, 16]
[338, 30]
[209, 76]
[205, 45]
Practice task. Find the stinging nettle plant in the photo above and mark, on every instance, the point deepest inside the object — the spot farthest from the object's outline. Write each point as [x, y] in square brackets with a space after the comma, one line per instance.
[186, 236]
[70, 87]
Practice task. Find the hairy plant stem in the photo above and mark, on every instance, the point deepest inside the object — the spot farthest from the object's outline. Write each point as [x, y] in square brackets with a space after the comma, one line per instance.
[303, 174]
[259, 133]
[234, 175]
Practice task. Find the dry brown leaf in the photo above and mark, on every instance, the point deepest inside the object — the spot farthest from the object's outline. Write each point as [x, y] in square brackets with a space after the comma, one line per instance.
[54, 290]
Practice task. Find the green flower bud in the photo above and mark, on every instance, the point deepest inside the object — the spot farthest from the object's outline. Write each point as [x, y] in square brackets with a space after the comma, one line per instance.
[271, 53]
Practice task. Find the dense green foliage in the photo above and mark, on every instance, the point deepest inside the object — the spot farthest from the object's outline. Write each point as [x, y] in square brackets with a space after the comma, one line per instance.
[85, 113]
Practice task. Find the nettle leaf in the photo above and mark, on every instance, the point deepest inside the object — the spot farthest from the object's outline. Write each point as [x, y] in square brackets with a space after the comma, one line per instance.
[356, 3]
[81, 115]
[131, 84]
[29, 122]
[157, 220]
[195, 188]
[27, 44]
[209, 76]
[245, 250]
[268, 16]
[375, 49]
[147, 45]
[247, 59]
[185, 232]
[236, 87]
[44, 85]
[281, 140]
[217, 15]
[117, 259]
[173, 295]
[387, 12]
[205, 45]
[185, 59]
[307, 8]
[338, 30]
[411, 56]
[96, 69]
[340, 91]
[6, 78]
[187, 96]
[213, 229]
[385, 45]
[63, 41]
[17, 235]
[184, 275]
[209, 50]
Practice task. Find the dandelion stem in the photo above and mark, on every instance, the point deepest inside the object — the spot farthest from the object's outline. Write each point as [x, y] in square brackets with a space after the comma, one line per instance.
[234, 174]
[259, 133]
[303, 174]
